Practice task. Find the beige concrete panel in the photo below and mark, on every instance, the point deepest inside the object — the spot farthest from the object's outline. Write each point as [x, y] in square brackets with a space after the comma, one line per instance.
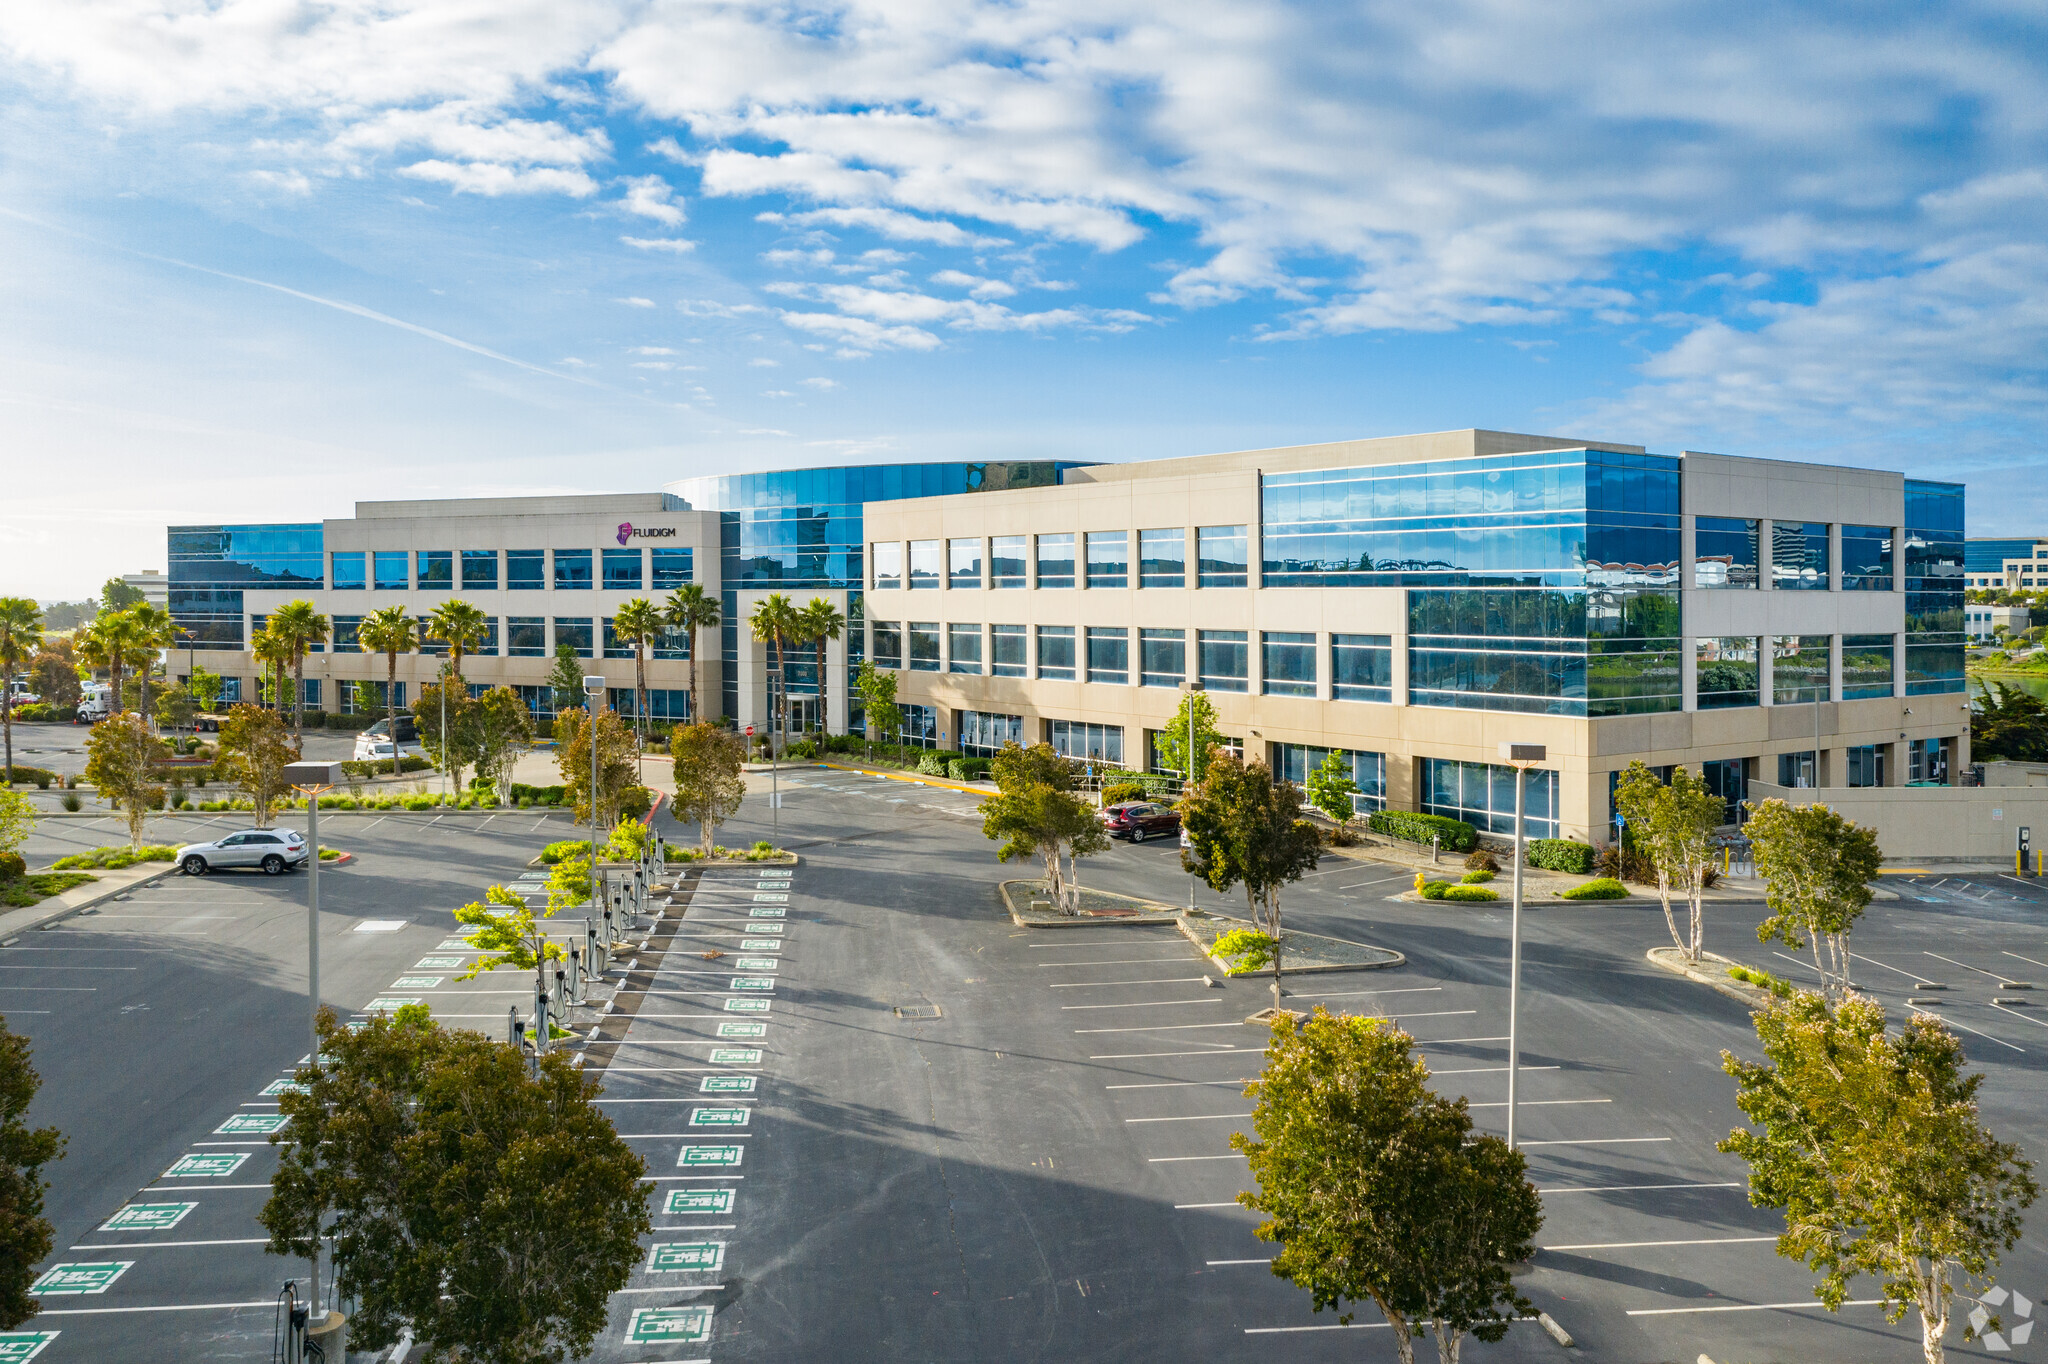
[1796, 724]
[1932, 823]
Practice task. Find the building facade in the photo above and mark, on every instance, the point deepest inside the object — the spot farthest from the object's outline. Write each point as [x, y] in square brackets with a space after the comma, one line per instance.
[2005, 565]
[1408, 602]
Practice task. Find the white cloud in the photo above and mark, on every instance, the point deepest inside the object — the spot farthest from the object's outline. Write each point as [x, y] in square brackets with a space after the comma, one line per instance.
[489, 179]
[763, 430]
[888, 222]
[787, 259]
[822, 385]
[976, 285]
[288, 182]
[778, 393]
[650, 196]
[858, 335]
[678, 245]
[651, 350]
[635, 302]
[652, 364]
[763, 362]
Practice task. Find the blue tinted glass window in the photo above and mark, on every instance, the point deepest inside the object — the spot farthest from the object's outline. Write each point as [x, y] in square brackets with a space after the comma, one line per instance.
[672, 568]
[479, 570]
[1009, 650]
[963, 562]
[1483, 795]
[436, 570]
[963, 649]
[1087, 743]
[1368, 772]
[1727, 671]
[1056, 560]
[350, 572]
[1800, 668]
[1109, 654]
[576, 632]
[1162, 557]
[1362, 668]
[1162, 658]
[1287, 663]
[1799, 555]
[924, 645]
[425, 643]
[1056, 652]
[614, 646]
[1007, 566]
[1222, 658]
[1724, 552]
[390, 571]
[622, 570]
[344, 629]
[526, 637]
[1934, 569]
[526, 569]
[1866, 558]
[924, 563]
[1109, 558]
[1222, 556]
[572, 569]
[888, 644]
[1868, 666]
[983, 733]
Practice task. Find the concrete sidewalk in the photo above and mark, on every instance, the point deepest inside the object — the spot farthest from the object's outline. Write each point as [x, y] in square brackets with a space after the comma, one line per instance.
[109, 885]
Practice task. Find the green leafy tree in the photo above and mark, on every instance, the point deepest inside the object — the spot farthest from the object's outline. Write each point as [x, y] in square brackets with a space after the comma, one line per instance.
[1246, 829]
[1673, 825]
[1330, 788]
[489, 1211]
[708, 775]
[1172, 740]
[818, 622]
[206, 687]
[504, 731]
[639, 624]
[618, 762]
[175, 709]
[21, 634]
[25, 1234]
[18, 816]
[299, 627]
[2008, 724]
[1869, 1144]
[775, 622]
[877, 687]
[255, 748]
[505, 931]
[1817, 868]
[54, 677]
[462, 626]
[152, 631]
[458, 748]
[116, 595]
[1375, 1188]
[565, 678]
[123, 762]
[690, 609]
[113, 641]
[389, 631]
[1035, 813]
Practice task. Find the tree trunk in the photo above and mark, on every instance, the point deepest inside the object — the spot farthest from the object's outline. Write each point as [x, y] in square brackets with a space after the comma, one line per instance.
[696, 716]
[1449, 1340]
[823, 727]
[640, 684]
[1664, 897]
[390, 709]
[1404, 1339]
[299, 702]
[1273, 931]
[115, 705]
[1696, 889]
[1932, 1290]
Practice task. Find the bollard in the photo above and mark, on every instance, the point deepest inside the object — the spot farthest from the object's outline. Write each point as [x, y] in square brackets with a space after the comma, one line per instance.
[577, 995]
[515, 1032]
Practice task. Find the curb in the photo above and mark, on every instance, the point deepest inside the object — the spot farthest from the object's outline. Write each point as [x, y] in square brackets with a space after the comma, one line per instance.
[39, 917]
[1142, 919]
[1753, 995]
[914, 778]
[1400, 958]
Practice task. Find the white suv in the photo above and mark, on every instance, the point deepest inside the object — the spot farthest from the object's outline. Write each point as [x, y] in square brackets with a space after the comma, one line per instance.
[274, 850]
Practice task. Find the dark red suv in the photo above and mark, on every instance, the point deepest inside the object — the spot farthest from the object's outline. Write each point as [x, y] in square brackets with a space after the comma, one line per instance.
[1139, 820]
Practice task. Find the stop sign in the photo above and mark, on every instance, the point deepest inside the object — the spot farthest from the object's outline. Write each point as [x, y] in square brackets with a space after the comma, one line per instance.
[750, 731]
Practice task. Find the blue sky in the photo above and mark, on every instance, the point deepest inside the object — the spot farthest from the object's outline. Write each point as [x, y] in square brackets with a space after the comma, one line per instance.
[264, 258]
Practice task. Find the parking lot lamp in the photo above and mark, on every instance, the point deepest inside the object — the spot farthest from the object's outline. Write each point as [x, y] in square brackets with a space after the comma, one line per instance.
[311, 779]
[1190, 690]
[1521, 757]
[593, 688]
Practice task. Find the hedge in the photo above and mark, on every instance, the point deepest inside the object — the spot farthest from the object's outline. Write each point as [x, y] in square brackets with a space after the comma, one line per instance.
[1458, 836]
[934, 761]
[115, 858]
[45, 712]
[334, 719]
[1605, 888]
[41, 776]
[1561, 854]
[967, 769]
[522, 794]
[1470, 893]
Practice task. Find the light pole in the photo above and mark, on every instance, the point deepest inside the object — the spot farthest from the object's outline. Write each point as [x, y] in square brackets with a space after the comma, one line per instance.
[312, 779]
[1521, 757]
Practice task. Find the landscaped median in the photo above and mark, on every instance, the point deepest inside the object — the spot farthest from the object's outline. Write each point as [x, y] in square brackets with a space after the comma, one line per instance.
[1716, 973]
[1031, 906]
[1300, 953]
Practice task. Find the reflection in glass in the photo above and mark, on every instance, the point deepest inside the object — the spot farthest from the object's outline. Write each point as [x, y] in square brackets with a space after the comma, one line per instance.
[1162, 658]
[1056, 560]
[1009, 649]
[1220, 552]
[1056, 652]
[1727, 672]
[1162, 557]
[1724, 552]
[1006, 562]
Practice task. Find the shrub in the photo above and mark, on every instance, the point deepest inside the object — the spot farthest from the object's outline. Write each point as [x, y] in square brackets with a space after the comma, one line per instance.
[1481, 859]
[1621, 862]
[933, 762]
[12, 868]
[1781, 988]
[1561, 854]
[41, 776]
[1116, 793]
[419, 802]
[762, 851]
[1430, 890]
[71, 801]
[538, 795]
[967, 769]
[1604, 888]
[1457, 835]
[1469, 893]
[565, 847]
[115, 858]
[523, 802]
[635, 802]
[1477, 878]
[803, 749]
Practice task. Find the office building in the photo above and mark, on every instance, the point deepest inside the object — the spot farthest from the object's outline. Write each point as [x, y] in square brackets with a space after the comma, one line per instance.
[1409, 602]
[2005, 565]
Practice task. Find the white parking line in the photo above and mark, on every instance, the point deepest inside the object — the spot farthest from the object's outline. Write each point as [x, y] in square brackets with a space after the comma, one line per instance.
[1148, 1004]
[1632, 1188]
[1130, 961]
[1965, 965]
[1268, 1260]
[1198, 1117]
[1638, 1245]
[1338, 1326]
[165, 1307]
[1069, 985]
[1175, 1160]
[1178, 1084]
[1163, 1027]
[1353, 994]
[1750, 1307]
[1541, 1103]
[1150, 1055]
[1488, 1070]
[172, 1245]
[1595, 1141]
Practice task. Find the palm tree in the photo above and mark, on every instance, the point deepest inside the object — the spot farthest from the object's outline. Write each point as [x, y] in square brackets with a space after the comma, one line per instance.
[821, 620]
[388, 630]
[300, 627]
[691, 608]
[154, 630]
[639, 623]
[21, 634]
[775, 620]
[460, 625]
[109, 642]
[273, 651]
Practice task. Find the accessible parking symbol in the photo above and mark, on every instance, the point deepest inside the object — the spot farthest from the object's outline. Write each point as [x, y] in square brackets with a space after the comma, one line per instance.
[206, 1165]
[697, 1202]
[727, 1084]
[718, 1117]
[744, 1006]
[736, 1056]
[656, 1325]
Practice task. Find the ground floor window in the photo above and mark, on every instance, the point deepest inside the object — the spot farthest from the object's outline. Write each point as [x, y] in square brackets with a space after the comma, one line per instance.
[1927, 762]
[540, 701]
[1483, 795]
[1728, 778]
[983, 733]
[1796, 769]
[357, 698]
[920, 725]
[1154, 763]
[670, 704]
[1368, 771]
[1866, 765]
[1091, 743]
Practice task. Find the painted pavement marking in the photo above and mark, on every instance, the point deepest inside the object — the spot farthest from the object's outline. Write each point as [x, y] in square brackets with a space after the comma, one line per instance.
[76, 1279]
[148, 1217]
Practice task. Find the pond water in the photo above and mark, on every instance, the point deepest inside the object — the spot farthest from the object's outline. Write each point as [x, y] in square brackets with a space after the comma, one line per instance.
[2034, 685]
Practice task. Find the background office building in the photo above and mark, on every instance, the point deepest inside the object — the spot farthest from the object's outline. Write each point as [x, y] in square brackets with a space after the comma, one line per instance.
[1408, 602]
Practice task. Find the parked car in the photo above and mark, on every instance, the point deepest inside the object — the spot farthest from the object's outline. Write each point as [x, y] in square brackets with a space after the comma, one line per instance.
[408, 732]
[274, 850]
[1139, 820]
[374, 748]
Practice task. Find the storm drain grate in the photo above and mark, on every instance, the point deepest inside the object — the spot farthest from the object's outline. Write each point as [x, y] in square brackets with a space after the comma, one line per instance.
[915, 1011]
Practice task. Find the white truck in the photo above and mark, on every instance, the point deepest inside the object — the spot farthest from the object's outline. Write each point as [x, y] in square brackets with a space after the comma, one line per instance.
[95, 702]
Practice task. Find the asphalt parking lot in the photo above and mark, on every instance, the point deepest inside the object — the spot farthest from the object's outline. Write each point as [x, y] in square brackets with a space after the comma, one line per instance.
[906, 1128]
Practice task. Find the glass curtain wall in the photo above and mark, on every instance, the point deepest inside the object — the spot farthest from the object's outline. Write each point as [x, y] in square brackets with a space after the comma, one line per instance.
[1483, 795]
[1799, 668]
[1934, 587]
[1368, 771]
[212, 566]
[1867, 666]
[1724, 552]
